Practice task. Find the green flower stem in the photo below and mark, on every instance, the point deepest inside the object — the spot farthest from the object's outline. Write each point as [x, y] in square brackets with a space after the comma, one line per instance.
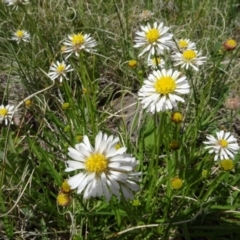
[89, 99]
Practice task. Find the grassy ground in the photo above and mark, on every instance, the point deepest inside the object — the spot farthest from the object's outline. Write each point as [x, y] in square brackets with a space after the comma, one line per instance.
[34, 148]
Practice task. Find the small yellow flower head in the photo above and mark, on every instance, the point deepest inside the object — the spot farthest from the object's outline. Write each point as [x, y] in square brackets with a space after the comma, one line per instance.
[67, 128]
[132, 63]
[177, 183]
[230, 45]
[65, 188]
[63, 199]
[136, 203]
[79, 138]
[84, 90]
[175, 145]
[65, 106]
[28, 103]
[227, 164]
[63, 48]
[204, 173]
[117, 146]
[177, 117]
[232, 103]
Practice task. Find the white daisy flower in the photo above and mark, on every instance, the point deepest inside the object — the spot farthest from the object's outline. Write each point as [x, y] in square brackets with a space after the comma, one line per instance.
[59, 70]
[154, 39]
[21, 35]
[184, 43]
[6, 113]
[189, 58]
[160, 91]
[225, 146]
[78, 42]
[104, 170]
[156, 63]
[16, 3]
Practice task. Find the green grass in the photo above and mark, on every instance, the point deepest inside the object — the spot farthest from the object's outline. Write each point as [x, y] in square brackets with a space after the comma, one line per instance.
[34, 151]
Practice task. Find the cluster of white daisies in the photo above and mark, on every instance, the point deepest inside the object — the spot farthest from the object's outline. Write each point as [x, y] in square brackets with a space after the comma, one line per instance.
[105, 169]
[161, 90]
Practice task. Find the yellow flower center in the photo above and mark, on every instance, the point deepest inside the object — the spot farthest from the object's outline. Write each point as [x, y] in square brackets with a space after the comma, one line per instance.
[20, 33]
[177, 183]
[227, 164]
[182, 44]
[60, 68]
[165, 85]
[156, 61]
[3, 112]
[97, 163]
[223, 143]
[78, 39]
[189, 55]
[152, 35]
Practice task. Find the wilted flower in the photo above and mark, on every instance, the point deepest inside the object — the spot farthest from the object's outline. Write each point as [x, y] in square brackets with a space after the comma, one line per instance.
[232, 103]
[145, 15]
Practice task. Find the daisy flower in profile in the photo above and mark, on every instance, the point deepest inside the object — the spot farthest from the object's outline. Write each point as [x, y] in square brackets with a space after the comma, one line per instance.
[59, 70]
[184, 43]
[21, 35]
[153, 39]
[104, 170]
[161, 90]
[225, 146]
[6, 113]
[78, 42]
[155, 63]
[16, 3]
[189, 58]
